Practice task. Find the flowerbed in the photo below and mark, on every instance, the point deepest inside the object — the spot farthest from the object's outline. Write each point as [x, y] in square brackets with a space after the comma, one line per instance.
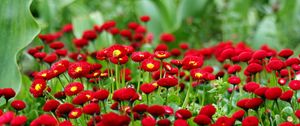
[223, 85]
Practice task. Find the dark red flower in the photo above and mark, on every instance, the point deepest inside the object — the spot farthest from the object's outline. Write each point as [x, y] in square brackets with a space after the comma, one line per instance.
[78, 69]
[92, 108]
[227, 53]
[147, 88]
[101, 94]
[64, 109]
[65, 123]
[287, 95]
[50, 105]
[113, 119]
[164, 122]
[56, 45]
[44, 120]
[150, 65]
[8, 93]
[282, 81]
[156, 110]
[254, 68]
[234, 80]
[295, 85]
[50, 58]
[126, 33]
[167, 37]
[286, 53]
[175, 52]
[89, 35]
[73, 88]
[140, 108]
[183, 114]
[192, 62]
[238, 114]
[18, 104]
[251, 86]
[180, 122]
[116, 51]
[245, 56]
[162, 54]
[254, 103]
[202, 120]
[139, 56]
[259, 54]
[184, 46]
[167, 82]
[250, 121]
[273, 93]
[37, 87]
[18, 121]
[61, 52]
[261, 91]
[161, 47]
[275, 64]
[297, 113]
[80, 42]
[80, 99]
[125, 94]
[145, 18]
[67, 28]
[286, 124]
[208, 110]
[224, 121]
[234, 68]
[148, 121]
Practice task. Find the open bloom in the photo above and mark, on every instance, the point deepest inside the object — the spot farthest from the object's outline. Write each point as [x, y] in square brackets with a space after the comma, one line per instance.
[167, 82]
[73, 88]
[150, 65]
[78, 69]
[37, 87]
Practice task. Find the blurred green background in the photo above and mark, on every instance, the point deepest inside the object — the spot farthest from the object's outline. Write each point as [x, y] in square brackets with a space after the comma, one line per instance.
[257, 22]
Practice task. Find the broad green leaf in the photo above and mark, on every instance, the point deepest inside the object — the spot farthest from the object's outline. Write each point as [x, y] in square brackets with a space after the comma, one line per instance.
[17, 30]
[266, 33]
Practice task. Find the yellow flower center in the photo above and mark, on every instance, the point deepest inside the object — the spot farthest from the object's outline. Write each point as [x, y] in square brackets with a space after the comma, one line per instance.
[95, 74]
[161, 55]
[198, 75]
[155, 84]
[116, 53]
[88, 96]
[55, 71]
[74, 113]
[38, 87]
[150, 65]
[193, 63]
[44, 74]
[78, 69]
[74, 88]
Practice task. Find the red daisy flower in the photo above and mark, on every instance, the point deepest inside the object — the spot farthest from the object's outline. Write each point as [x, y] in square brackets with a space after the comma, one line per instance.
[145, 18]
[295, 85]
[275, 64]
[89, 35]
[80, 99]
[116, 51]
[234, 80]
[92, 108]
[125, 94]
[8, 93]
[73, 88]
[147, 88]
[67, 28]
[238, 114]
[80, 42]
[50, 58]
[180, 122]
[140, 108]
[250, 121]
[139, 56]
[254, 68]
[251, 86]
[167, 82]
[63, 110]
[287, 95]
[18, 104]
[286, 53]
[183, 114]
[161, 47]
[192, 62]
[245, 56]
[44, 120]
[18, 121]
[273, 93]
[208, 110]
[56, 45]
[50, 105]
[167, 37]
[78, 69]
[101, 94]
[259, 54]
[162, 54]
[150, 65]
[37, 87]
[156, 110]
[224, 121]
[164, 122]
[202, 120]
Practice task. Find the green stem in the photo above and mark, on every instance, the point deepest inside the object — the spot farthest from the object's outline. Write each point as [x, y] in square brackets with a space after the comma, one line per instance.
[117, 76]
[167, 91]
[160, 68]
[186, 99]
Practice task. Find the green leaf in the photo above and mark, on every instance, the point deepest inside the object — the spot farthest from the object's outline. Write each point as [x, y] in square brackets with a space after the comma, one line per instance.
[18, 28]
